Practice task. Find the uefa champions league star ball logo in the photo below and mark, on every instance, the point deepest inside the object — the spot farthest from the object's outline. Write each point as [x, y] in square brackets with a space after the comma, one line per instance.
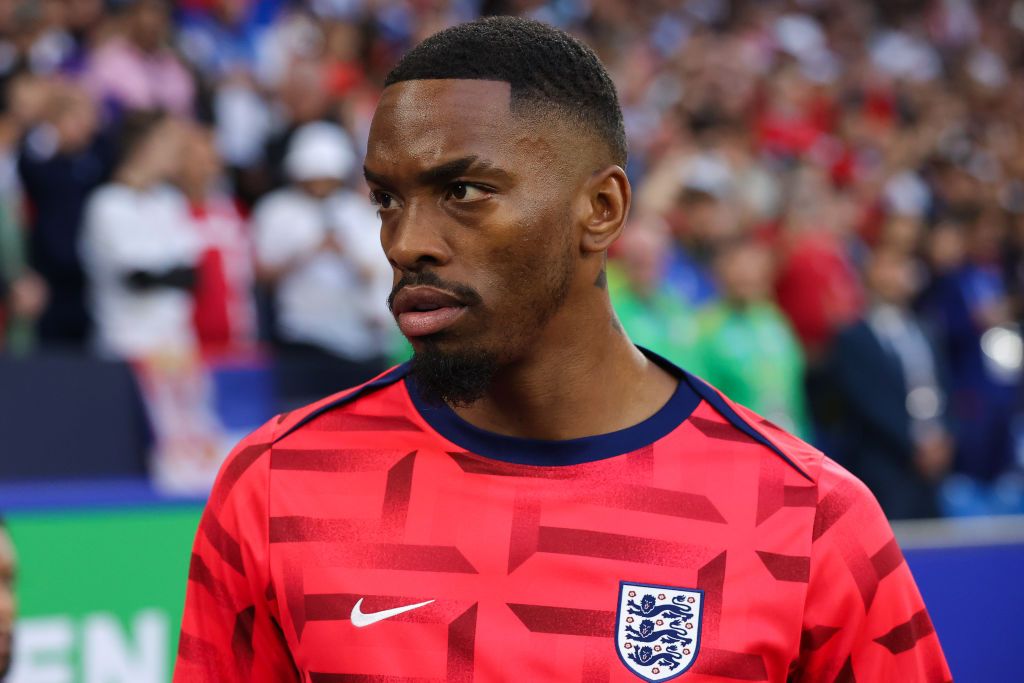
[657, 629]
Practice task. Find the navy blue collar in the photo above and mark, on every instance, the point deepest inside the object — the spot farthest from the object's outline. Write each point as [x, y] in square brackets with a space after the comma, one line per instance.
[522, 451]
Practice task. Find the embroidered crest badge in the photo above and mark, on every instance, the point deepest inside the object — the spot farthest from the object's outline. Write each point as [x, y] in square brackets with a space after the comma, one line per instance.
[657, 629]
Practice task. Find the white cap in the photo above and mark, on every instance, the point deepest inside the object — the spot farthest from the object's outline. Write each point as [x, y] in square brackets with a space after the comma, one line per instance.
[319, 150]
[708, 173]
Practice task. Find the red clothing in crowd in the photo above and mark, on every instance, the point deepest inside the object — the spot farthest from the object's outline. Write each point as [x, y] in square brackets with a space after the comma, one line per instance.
[224, 315]
[818, 289]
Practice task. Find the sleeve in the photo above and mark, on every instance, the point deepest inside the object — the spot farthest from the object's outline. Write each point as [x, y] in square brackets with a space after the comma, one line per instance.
[864, 619]
[231, 626]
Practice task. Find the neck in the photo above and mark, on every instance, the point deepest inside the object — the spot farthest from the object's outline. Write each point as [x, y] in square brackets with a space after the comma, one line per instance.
[880, 303]
[195, 193]
[136, 177]
[595, 383]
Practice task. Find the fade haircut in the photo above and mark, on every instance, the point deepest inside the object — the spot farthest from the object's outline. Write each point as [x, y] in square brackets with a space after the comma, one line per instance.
[546, 68]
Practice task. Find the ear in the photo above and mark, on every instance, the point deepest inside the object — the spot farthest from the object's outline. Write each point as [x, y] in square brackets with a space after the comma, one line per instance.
[605, 202]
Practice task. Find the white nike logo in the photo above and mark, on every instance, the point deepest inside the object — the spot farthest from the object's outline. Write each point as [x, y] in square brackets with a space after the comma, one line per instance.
[359, 619]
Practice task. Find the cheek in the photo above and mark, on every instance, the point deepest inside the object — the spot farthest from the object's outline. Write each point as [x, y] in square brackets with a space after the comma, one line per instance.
[524, 275]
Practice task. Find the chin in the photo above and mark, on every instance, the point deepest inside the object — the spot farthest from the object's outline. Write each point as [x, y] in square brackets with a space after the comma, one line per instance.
[456, 374]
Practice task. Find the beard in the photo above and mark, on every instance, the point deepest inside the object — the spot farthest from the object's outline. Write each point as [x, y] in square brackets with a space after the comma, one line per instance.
[459, 377]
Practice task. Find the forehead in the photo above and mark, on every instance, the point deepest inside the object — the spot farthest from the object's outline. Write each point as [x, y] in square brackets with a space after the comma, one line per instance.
[425, 122]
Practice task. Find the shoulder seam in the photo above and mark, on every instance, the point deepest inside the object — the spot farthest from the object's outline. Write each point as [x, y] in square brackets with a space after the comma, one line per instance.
[390, 377]
[721, 405]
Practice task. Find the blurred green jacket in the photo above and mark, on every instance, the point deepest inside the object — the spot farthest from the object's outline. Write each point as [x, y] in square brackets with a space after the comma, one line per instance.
[752, 355]
[661, 321]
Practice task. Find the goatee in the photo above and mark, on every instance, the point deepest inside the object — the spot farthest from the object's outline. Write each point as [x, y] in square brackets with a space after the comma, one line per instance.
[458, 379]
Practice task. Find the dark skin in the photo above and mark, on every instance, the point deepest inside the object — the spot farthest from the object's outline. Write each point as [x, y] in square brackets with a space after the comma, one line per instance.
[520, 207]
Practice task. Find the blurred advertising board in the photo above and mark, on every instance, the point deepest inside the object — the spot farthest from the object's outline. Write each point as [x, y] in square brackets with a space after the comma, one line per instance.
[101, 593]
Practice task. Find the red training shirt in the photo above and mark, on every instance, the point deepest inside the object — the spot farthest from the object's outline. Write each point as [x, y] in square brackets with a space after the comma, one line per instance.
[371, 537]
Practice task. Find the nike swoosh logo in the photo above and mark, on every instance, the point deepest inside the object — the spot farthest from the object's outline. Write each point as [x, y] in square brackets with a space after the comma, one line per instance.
[361, 619]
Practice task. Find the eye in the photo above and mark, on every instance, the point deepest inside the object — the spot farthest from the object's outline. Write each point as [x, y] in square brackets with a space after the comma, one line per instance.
[382, 200]
[466, 192]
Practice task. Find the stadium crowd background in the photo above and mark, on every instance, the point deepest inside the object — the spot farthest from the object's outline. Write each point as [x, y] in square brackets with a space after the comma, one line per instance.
[828, 218]
[828, 224]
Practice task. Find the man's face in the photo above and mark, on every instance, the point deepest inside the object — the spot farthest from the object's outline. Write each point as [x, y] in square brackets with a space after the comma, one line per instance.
[7, 601]
[476, 207]
[745, 274]
[891, 277]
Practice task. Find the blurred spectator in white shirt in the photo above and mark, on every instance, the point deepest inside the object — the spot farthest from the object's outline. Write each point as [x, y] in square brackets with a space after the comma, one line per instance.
[317, 245]
[139, 249]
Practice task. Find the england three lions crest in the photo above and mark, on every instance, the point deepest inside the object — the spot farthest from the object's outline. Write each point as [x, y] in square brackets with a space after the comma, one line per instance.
[657, 629]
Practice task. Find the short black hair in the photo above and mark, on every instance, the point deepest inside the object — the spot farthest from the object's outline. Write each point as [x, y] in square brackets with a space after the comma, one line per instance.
[544, 66]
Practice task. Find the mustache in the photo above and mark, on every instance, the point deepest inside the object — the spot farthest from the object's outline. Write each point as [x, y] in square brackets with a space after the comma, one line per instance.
[465, 294]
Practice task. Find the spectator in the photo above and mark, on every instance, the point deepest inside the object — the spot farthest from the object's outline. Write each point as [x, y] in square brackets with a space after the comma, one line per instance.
[746, 346]
[139, 248]
[222, 39]
[86, 21]
[817, 285]
[22, 292]
[699, 219]
[888, 374]
[971, 307]
[317, 247]
[650, 312]
[819, 128]
[224, 309]
[63, 160]
[304, 97]
[136, 69]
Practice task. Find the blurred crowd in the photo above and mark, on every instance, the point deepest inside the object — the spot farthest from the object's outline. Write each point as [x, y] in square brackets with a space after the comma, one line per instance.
[828, 218]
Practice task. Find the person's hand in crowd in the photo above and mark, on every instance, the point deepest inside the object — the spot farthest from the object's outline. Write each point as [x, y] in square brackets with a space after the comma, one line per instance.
[330, 244]
[272, 273]
[933, 455]
[28, 295]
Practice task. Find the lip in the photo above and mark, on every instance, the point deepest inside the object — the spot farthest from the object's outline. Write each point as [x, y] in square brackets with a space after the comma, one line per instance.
[421, 311]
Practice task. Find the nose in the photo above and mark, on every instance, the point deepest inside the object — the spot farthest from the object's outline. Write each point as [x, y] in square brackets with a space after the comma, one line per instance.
[415, 239]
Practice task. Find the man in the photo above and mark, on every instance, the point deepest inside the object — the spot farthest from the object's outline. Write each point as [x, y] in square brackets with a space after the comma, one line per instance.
[747, 348]
[645, 304]
[62, 161]
[532, 498]
[224, 311]
[8, 603]
[139, 251]
[316, 247]
[892, 430]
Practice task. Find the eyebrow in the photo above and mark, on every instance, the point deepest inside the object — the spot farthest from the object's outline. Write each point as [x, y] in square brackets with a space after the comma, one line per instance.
[446, 172]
